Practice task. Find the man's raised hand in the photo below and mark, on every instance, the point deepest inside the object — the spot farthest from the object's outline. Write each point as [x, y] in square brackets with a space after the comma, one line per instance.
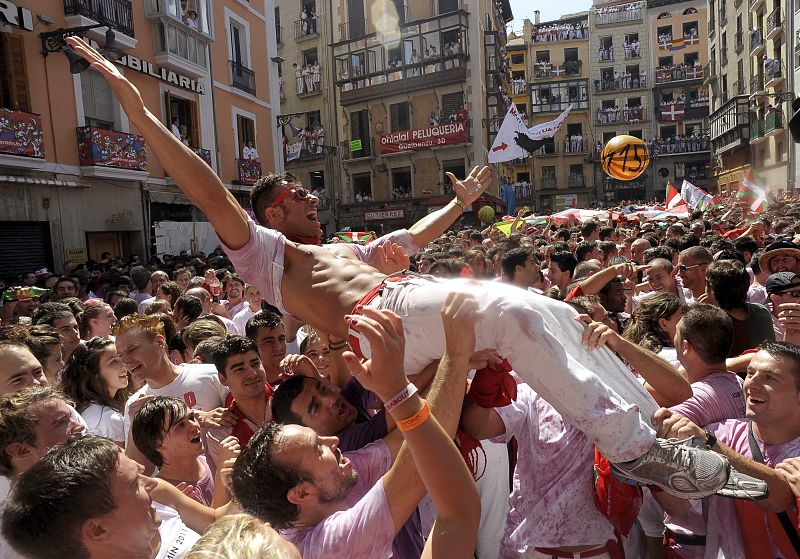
[127, 94]
[469, 189]
[383, 373]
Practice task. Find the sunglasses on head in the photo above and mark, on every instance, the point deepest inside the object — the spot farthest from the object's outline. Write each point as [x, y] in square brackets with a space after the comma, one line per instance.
[299, 192]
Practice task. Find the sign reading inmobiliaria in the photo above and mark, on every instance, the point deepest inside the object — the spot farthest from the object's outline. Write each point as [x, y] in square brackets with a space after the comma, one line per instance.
[424, 138]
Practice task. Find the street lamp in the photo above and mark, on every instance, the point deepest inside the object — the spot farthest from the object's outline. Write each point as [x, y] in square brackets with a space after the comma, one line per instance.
[55, 41]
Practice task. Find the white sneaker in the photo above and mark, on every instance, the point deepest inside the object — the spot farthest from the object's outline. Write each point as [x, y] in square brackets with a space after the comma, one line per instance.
[681, 470]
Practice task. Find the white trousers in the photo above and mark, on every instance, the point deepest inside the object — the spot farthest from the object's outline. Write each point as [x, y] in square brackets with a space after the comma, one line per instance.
[594, 391]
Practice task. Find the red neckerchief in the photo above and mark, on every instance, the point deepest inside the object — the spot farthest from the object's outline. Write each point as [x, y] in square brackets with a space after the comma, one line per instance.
[242, 431]
[304, 240]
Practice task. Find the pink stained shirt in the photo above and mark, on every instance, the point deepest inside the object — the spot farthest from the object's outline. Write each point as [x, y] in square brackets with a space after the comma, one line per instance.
[724, 534]
[718, 397]
[364, 526]
[552, 502]
[260, 261]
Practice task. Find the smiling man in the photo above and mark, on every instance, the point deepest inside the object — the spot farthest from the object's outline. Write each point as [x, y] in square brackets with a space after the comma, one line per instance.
[241, 371]
[772, 429]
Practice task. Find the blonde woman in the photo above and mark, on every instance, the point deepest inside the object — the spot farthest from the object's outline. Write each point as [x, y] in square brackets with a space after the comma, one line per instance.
[241, 536]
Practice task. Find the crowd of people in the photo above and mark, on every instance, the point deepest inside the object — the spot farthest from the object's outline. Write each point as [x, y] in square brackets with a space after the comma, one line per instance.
[615, 81]
[560, 32]
[607, 115]
[307, 77]
[678, 144]
[618, 13]
[283, 398]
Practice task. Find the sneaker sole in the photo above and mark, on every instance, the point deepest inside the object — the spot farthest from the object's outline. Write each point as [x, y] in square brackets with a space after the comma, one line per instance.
[687, 493]
[744, 487]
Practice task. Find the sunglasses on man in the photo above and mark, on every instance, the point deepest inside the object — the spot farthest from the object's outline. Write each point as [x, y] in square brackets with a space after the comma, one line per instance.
[795, 293]
[299, 193]
[684, 267]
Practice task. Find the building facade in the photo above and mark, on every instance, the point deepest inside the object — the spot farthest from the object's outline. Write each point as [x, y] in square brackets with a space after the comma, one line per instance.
[621, 78]
[679, 147]
[308, 116]
[560, 69]
[76, 177]
[420, 91]
[751, 93]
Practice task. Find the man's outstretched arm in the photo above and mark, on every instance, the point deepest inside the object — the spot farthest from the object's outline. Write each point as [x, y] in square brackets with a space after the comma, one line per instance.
[192, 175]
[467, 191]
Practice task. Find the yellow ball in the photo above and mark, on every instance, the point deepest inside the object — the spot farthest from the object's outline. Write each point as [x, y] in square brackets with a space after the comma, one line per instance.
[486, 215]
[625, 157]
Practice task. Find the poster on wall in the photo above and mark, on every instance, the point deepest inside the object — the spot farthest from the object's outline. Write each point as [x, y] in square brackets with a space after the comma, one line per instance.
[21, 133]
[109, 148]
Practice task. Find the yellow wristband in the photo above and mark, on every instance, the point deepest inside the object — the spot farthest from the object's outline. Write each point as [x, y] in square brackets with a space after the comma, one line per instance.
[460, 204]
[415, 420]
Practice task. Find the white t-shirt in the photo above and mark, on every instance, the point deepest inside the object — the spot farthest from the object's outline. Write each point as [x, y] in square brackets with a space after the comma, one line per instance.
[176, 537]
[241, 318]
[144, 303]
[104, 422]
[197, 385]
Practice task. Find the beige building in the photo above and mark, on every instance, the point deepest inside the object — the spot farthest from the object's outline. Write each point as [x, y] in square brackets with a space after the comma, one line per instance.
[307, 123]
[747, 71]
[559, 72]
[679, 147]
[420, 91]
[79, 181]
[621, 77]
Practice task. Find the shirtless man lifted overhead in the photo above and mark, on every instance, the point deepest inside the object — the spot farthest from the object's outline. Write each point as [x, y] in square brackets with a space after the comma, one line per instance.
[539, 336]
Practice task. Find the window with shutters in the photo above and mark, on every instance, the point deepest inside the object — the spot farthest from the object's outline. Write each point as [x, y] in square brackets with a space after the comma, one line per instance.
[98, 105]
[359, 130]
[451, 103]
[14, 92]
[246, 133]
[400, 116]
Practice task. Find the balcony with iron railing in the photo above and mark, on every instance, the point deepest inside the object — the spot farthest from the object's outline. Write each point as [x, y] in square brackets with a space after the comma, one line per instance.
[773, 73]
[98, 147]
[710, 71]
[757, 84]
[358, 148]
[620, 13]
[305, 29]
[117, 14]
[548, 182]
[678, 72]
[367, 68]
[248, 171]
[242, 77]
[621, 83]
[307, 151]
[756, 42]
[21, 134]
[548, 71]
[550, 148]
[576, 181]
[774, 23]
[192, 16]
[756, 130]
[738, 41]
[616, 115]
[773, 123]
[677, 145]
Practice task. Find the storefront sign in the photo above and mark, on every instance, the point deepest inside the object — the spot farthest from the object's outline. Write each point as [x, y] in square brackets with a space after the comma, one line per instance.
[21, 133]
[565, 200]
[108, 148]
[424, 138]
[162, 74]
[16, 16]
[76, 255]
[385, 215]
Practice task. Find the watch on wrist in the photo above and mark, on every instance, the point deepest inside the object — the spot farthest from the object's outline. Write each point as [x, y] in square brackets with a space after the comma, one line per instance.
[711, 440]
[460, 204]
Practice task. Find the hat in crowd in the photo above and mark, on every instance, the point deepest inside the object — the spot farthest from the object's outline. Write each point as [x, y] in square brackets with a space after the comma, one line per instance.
[778, 248]
[43, 273]
[782, 281]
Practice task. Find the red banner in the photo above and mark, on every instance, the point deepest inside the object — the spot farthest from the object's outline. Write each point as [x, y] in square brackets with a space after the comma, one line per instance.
[109, 148]
[425, 138]
[21, 133]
